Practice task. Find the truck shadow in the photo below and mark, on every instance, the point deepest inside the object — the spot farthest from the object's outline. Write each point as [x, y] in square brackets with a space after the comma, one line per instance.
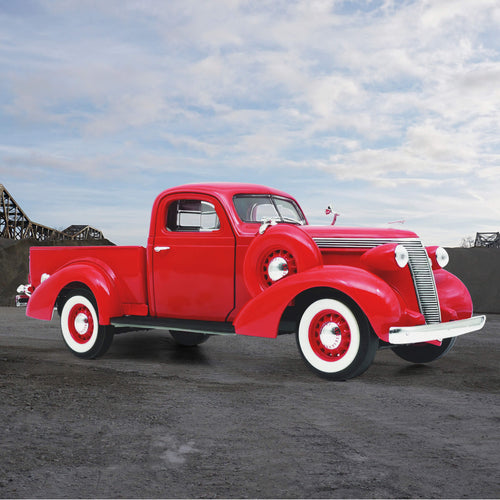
[153, 346]
[453, 372]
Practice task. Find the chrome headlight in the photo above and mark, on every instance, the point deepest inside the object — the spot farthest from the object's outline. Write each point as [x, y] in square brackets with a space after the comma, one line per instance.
[439, 257]
[388, 257]
[401, 256]
[442, 257]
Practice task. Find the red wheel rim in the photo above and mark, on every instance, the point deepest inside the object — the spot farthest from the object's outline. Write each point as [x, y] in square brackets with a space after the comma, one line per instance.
[329, 335]
[284, 254]
[80, 323]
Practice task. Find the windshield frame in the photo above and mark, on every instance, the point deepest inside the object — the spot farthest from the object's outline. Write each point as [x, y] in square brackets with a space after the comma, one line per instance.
[273, 198]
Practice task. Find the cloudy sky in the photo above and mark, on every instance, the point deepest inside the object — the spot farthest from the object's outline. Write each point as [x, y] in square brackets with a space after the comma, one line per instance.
[389, 109]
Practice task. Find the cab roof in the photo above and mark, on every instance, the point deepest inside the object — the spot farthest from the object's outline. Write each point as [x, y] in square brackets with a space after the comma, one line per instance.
[225, 189]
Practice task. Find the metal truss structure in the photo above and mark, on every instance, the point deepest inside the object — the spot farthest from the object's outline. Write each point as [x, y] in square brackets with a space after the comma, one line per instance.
[83, 233]
[16, 225]
[489, 240]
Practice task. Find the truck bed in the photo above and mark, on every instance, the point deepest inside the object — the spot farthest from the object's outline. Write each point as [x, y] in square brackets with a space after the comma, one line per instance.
[127, 263]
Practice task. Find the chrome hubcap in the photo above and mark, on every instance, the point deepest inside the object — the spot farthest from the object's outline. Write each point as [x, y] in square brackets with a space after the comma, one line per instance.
[278, 268]
[81, 324]
[330, 335]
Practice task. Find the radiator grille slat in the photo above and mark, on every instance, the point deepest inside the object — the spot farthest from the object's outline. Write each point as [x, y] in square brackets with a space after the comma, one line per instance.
[420, 268]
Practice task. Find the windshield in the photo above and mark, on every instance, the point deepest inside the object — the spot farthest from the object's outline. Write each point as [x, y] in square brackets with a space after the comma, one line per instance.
[257, 208]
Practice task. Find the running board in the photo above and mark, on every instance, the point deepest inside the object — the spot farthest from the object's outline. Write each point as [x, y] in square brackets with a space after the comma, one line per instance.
[183, 325]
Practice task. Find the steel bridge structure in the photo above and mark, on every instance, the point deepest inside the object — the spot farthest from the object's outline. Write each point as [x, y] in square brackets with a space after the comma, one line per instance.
[16, 225]
[488, 240]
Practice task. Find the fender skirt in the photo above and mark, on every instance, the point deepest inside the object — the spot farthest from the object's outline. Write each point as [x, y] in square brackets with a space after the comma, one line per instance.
[43, 300]
[381, 304]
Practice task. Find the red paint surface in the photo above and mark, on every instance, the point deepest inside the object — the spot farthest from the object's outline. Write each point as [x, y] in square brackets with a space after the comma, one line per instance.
[220, 274]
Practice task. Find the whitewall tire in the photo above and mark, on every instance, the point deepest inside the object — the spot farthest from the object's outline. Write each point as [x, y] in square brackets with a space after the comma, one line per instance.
[424, 353]
[80, 327]
[335, 339]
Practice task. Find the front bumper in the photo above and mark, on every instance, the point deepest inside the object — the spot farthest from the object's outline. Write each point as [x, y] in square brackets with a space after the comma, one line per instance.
[436, 331]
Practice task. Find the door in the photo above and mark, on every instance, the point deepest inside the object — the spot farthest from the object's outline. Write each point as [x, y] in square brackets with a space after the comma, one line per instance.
[193, 259]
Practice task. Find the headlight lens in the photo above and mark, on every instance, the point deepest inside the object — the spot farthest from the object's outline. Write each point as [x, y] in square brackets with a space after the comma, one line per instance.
[442, 257]
[439, 257]
[401, 255]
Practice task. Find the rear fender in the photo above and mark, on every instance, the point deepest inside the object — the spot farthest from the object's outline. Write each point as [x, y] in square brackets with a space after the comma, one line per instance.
[101, 283]
[380, 303]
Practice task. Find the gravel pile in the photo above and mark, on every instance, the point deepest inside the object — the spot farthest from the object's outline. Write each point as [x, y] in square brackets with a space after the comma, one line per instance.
[14, 263]
[478, 268]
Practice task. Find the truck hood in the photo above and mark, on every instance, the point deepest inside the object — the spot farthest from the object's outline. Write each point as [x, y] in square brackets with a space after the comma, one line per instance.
[357, 233]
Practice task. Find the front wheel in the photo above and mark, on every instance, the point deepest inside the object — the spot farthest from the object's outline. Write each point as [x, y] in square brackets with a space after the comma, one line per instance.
[80, 327]
[335, 339]
[424, 353]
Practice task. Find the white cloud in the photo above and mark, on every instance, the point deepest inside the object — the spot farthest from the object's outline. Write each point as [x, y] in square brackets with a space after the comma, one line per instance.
[399, 98]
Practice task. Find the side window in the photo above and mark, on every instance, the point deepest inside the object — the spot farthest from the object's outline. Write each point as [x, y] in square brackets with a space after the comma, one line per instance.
[193, 216]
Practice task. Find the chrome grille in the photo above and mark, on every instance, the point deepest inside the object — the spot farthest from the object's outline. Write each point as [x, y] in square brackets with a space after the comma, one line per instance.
[420, 268]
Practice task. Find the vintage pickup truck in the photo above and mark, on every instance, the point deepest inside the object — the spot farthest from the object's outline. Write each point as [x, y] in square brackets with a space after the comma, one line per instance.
[241, 259]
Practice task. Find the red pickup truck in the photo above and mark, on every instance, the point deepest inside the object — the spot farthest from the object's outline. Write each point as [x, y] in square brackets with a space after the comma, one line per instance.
[241, 259]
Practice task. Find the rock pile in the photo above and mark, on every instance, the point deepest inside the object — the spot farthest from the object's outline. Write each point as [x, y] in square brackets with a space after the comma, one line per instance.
[14, 263]
[478, 268]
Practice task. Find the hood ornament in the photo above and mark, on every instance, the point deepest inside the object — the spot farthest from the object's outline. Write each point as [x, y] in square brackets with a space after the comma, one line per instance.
[329, 210]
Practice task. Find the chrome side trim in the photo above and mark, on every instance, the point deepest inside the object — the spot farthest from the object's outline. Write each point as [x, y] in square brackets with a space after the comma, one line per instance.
[426, 333]
[360, 242]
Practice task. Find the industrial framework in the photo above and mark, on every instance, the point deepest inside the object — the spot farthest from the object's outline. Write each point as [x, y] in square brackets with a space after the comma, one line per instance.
[16, 225]
[489, 240]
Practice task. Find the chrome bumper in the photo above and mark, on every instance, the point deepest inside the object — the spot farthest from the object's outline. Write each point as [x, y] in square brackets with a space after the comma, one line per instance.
[435, 331]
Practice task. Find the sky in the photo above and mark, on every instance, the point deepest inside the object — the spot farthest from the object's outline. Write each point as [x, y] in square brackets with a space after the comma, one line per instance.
[388, 109]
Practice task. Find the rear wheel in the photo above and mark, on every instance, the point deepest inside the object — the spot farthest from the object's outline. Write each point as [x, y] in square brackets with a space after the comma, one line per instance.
[189, 339]
[335, 339]
[80, 327]
[424, 353]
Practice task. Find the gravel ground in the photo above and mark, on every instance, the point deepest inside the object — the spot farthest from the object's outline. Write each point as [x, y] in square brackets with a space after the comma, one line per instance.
[242, 417]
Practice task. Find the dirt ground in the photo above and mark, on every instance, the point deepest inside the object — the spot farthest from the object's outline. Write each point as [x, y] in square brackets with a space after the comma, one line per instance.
[242, 417]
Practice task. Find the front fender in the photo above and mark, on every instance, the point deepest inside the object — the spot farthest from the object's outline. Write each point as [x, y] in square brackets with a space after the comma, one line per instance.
[454, 298]
[101, 284]
[382, 306]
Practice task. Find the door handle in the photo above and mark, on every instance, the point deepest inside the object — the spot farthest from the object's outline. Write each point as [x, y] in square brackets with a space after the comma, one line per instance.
[161, 249]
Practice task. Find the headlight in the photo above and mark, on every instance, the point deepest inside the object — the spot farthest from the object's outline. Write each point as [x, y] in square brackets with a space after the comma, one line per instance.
[401, 255]
[439, 257]
[388, 257]
[442, 257]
